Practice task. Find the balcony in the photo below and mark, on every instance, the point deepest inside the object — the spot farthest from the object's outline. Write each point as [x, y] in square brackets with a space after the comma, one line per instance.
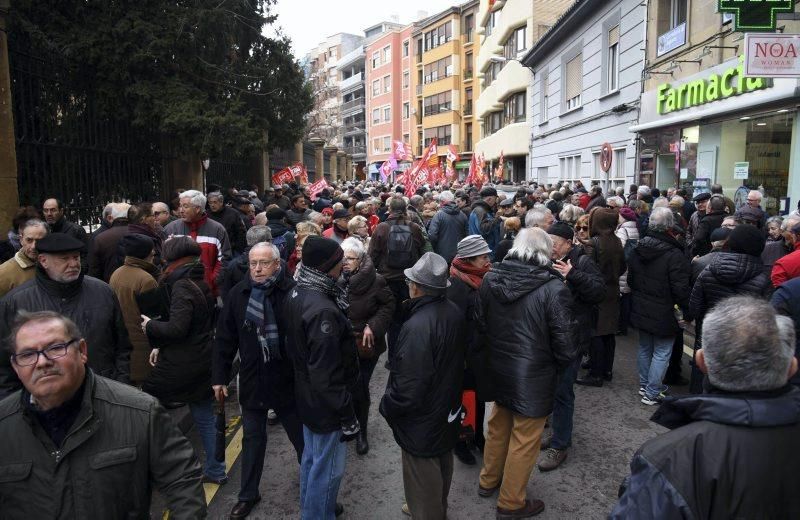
[358, 128]
[357, 103]
[468, 74]
[468, 108]
[356, 150]
[352, 81]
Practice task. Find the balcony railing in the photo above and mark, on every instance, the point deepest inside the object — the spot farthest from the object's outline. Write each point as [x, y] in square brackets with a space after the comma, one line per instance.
[419, 90]
[468, 108]
[355, 150]
[355, 129]
[355, 103]
[468, 74]
[468, 35]
[352, 81]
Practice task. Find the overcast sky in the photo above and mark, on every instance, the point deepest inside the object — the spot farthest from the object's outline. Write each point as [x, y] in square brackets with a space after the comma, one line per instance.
[309, 22]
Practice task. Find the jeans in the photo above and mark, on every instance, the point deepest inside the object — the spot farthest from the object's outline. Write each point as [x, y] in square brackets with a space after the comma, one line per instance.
[203, 416]
[254, 446]
[321, 472]
[654, 354]
[564, 407]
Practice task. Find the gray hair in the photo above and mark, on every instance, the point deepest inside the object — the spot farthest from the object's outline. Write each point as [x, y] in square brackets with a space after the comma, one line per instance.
[617, 201]
[532, 245]
[24, 317]
[620, 191]
[215, 195]
[643, 190]
[196, 198]
[397, 205]
[756, 193]
[661, 219]
[354, 245]
[775, 220]
[660, 202]
[258, 234]
[107, 210]
[570, 213]
[34, 222]
[416, 200]
[261, 219]
[747, 345]
[536, 216]
[446, 196]
[276, 254]
[119, 210]
[360, 205]
[789, 222]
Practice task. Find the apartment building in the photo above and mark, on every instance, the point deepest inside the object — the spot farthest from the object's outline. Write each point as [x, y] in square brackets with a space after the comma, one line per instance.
[388, 89]
[585, 93]
[742, 134]
[508, 29]
[442, 82]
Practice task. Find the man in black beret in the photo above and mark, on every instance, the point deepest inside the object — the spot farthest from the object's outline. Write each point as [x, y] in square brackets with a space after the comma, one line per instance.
[322, 346]
[701, 203]
[60, 286]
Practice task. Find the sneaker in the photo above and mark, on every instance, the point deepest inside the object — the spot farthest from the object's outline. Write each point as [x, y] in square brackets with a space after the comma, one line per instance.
[661, 395]
[642, 392]
[650, 401]
[272, 417]
[405, 510]
[552, 459]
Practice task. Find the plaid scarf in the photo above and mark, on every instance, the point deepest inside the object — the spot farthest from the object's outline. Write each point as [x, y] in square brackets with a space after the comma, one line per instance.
[260, 314]
[313, 280]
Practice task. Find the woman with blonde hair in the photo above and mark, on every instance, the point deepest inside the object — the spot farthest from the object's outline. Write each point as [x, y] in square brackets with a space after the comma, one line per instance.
[358, 228]
[303, 230]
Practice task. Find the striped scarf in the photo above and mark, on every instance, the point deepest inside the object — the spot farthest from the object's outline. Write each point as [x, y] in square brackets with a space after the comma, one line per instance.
[260, 314]
[311, 279]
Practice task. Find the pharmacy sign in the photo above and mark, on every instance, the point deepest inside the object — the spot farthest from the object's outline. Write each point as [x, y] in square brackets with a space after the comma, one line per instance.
[755, 15]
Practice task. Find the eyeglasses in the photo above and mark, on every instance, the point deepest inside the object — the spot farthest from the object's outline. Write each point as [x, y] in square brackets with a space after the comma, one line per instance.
[409, 281]
[31, 357]
[581, 228]
[261, 263]
[351, 258]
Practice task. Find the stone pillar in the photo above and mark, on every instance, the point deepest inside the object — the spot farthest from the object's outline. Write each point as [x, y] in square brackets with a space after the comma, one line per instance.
[334, 170]
[344, 173]
[187, 173]
[298, 151]
[349, 166]
[9, 195]
[319, 159]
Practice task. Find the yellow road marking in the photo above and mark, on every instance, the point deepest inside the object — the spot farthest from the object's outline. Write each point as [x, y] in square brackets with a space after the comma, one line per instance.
[232, 452]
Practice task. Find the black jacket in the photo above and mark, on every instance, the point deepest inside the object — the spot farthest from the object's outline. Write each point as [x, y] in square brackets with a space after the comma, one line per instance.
[728, 456]
[786, 300]
[295, 217]
[423, 395]
[446, 230]
[323, 350]
[183, 370]
[525, 315]
[701, 242]
[90, 303]
[658, 275]
[371, 303]
[287, 244]
[728, 274]
[588, 289]
[234, 225]
[262, 385]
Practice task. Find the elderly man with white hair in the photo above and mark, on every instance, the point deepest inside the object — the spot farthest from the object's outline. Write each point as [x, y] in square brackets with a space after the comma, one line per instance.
[447, 227]
[539, 217]
[732, 450]
[215, 247]
[525, 313]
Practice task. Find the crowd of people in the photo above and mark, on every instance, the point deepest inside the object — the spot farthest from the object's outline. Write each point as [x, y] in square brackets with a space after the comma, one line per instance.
[498, 294]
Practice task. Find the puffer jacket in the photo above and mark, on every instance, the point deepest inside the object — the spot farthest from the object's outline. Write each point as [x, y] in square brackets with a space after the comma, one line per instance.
[446, 230]
[588, 290]
[729, 274]
[786, 300]
[701, 242]
[628, 230]
[121, 446]
[526, 318]
[423, 395]
[658, 275]
[371, 303]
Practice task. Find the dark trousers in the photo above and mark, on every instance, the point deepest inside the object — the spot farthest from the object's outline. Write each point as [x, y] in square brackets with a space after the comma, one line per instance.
[400, 291]
[601, 355]
[624, 313]
[564, 407]
[674, 368]
[254, 446]
[361, 399]
[426, 482]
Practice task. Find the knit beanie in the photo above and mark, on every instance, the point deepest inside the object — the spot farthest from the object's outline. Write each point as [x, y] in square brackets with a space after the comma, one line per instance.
[746, 239]
[627, 213]
[137, 246]
[321, 253]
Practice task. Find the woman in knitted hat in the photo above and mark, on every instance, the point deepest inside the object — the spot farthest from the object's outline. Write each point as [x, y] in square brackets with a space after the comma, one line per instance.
[469, 266]
[181, 358]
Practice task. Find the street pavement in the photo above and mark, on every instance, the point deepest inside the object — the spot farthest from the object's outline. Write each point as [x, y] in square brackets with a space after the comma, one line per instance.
[610, 424]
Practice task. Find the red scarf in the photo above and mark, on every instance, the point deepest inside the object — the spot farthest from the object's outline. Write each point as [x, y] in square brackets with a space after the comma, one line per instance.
[468, 273]
[195, 226]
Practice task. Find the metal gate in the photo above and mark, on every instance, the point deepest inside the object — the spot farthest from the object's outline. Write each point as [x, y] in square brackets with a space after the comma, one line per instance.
[232, 172]
[67, 151]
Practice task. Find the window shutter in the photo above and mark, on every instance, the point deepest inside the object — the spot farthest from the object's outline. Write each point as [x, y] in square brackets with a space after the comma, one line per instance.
[613, 36]
[574, 84]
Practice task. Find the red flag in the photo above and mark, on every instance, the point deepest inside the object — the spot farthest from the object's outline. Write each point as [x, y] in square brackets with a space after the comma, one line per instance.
[299, 170]
[401, 151]
[283, 176]
[315, 189]
[425, 164]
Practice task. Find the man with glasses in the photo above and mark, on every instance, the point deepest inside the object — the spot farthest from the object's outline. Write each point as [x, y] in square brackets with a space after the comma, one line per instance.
[162, 214]
[253, 323]
[73, 439]
[60, 286]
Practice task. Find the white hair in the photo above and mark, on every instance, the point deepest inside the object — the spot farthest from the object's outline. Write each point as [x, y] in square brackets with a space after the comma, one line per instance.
[446, 196]
[747, 345]
[615, 200]
[275, 252]
[643, 190]
[196, 198]
[661, 202]
[536, 217]
[532, 245]
[215, 195]
[119, 210]
[661, 219]
[354, 245]
[570, 213]
[755, 193]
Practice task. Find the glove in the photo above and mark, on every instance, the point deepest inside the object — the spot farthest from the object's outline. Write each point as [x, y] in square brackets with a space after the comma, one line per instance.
[350, 431]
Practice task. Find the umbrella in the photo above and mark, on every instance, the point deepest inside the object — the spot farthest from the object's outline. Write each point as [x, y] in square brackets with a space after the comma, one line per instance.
[219, 423]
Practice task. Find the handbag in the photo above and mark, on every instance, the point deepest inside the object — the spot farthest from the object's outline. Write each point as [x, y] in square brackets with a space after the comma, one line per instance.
[155, 303]
[364, 351]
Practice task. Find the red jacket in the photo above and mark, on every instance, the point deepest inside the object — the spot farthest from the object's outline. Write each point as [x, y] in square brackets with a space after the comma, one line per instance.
[787, 267]
[215, 248]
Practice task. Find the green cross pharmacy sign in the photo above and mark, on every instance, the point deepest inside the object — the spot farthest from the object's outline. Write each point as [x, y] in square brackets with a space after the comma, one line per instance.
[756, 15]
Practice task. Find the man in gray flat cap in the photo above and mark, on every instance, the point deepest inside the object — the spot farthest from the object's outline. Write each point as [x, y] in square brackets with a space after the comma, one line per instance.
[422, 403]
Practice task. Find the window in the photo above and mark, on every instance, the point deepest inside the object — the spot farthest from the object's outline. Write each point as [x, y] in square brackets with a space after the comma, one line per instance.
[677, 12]
[492, 72]
[514, 108]
[468, 65]
[376, 87]
[387, 144]
[441, 133]
[376, 145]
[492, 123]
[574, 82]
[387, 114]
[376, 116]
[405, 49]
[467, 102]
[438, 36]
[468, 136]
[469, 25]
[618, 165]
[570, 167]
[387, 84]
[405, 79]
[437, 103]
[406, 109]
[491, 23]
[612, 73]
[438, 70]
[516, 43]
[545, 97]
[387, 54]
[376, 60]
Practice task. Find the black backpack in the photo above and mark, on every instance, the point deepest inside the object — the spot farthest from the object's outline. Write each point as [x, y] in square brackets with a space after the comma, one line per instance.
[400, 247]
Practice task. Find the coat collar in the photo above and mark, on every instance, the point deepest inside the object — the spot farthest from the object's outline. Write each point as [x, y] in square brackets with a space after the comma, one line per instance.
[23, 261]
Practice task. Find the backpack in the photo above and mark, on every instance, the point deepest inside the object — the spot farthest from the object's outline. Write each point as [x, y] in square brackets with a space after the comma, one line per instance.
[630, 245]
[400, 247]
[280, 243]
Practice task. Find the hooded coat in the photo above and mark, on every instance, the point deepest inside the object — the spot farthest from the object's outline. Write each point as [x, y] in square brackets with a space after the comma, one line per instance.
[526, 318]
[728, 274]
[446, 230]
